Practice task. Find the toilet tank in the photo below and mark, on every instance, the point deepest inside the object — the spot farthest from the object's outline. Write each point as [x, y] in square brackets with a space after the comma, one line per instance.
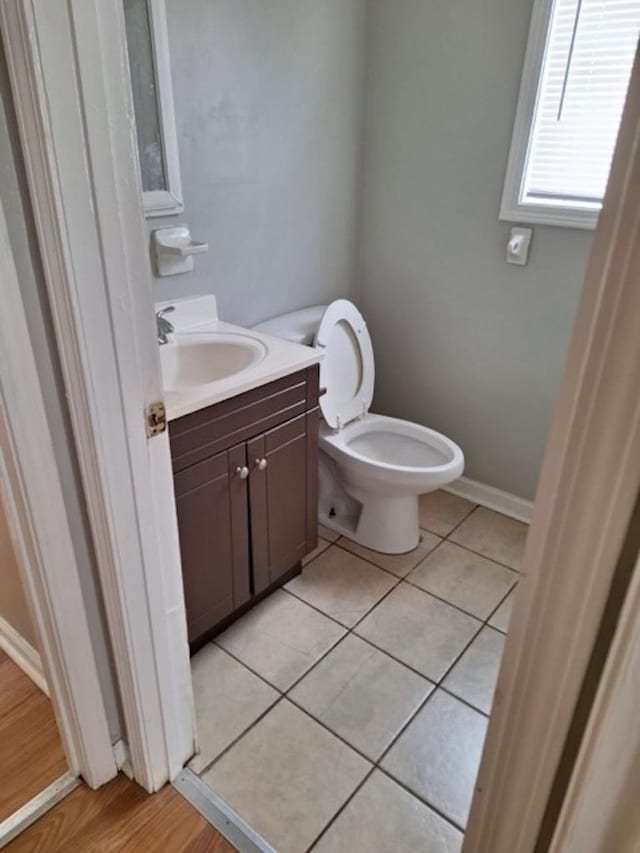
[297, 326]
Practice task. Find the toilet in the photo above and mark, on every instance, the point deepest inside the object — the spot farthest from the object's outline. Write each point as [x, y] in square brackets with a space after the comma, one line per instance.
[372, 468]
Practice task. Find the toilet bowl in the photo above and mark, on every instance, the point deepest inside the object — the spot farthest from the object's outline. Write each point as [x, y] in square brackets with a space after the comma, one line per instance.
[378, 465]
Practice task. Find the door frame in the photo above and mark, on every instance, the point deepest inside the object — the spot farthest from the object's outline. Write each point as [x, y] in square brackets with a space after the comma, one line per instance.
[600, 809]
[588, 486]
[69, 75]
[33, 502]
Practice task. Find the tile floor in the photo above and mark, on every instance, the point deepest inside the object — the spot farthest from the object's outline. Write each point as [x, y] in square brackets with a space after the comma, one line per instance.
[347, 712]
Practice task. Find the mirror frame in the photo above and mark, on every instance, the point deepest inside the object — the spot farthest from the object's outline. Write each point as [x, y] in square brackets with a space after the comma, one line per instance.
[166, 202]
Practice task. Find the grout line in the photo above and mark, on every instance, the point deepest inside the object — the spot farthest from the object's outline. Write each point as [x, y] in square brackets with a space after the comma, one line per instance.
[321, 612]
[497, 607]
[462, 520]
[400, 581]
[200, 773]
[455, 606]
[466, 702]
[323, 725]
[436, 684]
[433, 693]
[341, 809]
[417, 797]
[286, 694]
[484, 556]
[247, 666]
[377, 565]
[429, 553]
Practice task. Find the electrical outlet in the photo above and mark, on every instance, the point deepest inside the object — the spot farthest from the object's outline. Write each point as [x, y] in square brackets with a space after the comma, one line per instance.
[518, 246]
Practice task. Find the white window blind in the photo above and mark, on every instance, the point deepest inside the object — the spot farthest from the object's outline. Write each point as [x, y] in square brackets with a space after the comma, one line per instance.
[573, 92]
[583, 86]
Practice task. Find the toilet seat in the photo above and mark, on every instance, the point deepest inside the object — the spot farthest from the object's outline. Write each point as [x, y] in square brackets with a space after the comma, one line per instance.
[394, 453]
[347, 370]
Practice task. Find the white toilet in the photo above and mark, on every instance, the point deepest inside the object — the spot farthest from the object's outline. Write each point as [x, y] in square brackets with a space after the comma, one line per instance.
[372, 468]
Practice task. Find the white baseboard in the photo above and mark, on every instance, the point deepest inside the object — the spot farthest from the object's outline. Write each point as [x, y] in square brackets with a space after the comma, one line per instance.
[22, 654]
[492, 498]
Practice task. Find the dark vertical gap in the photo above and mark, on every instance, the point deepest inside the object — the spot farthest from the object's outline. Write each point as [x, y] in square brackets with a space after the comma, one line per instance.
[252, 582]
[606, 631]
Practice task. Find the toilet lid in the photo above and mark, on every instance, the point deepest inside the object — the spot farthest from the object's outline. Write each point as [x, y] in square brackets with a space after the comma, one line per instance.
[347, 370]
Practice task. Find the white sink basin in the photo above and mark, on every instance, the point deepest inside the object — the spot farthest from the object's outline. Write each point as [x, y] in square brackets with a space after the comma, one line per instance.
[195, 360]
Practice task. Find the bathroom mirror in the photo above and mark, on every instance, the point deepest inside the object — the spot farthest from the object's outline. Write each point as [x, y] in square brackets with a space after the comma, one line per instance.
[149, 66]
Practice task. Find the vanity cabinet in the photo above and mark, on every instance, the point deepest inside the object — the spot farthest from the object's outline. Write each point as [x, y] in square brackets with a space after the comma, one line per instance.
[246, 479]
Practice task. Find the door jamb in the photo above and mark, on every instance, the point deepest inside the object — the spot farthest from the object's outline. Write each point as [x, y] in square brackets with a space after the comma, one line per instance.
[69, 75]
[600, 809]
[34, 505]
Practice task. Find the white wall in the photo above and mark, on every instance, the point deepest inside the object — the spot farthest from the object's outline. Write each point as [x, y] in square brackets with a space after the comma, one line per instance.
[270, 96]
[21, 227]
[464, 343]
[269, 99]
[13, 603]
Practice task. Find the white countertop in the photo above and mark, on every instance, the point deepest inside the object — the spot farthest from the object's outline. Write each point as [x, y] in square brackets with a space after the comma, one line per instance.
[198, 316]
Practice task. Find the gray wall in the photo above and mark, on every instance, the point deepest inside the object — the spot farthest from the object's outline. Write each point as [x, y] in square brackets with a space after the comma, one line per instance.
[269, 101]
[21, 227]
[464, 343]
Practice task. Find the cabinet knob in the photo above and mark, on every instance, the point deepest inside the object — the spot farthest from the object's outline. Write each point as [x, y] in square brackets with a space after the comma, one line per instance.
[242, 472]
[261, 464]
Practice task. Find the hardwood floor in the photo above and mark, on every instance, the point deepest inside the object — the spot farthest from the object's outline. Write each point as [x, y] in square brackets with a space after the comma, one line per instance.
[118, 817]
[121, 817]
[31, 755]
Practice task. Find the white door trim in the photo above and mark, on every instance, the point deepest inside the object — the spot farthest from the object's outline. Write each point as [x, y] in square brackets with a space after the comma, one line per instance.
[33, 502]
[69, 74]
[588, 486]
[601, 807]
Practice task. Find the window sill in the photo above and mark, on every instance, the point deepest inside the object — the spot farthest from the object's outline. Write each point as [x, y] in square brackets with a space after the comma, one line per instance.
[539, 214]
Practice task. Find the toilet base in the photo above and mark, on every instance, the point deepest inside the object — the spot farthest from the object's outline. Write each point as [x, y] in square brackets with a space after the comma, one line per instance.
[385, 524]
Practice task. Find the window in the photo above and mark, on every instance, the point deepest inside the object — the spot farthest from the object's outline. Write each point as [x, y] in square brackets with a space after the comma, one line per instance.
[574, 84]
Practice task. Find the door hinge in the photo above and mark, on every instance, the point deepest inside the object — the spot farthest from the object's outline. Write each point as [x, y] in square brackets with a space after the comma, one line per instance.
[155, 417]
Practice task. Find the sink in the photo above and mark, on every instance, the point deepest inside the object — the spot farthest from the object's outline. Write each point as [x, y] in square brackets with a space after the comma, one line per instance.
[193, 360]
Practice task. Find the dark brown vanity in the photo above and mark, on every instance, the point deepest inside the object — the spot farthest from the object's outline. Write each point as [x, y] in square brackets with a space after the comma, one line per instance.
[246, 481]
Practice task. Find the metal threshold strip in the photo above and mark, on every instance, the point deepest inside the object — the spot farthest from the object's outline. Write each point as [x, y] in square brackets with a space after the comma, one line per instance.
[219, 814]
[37, 806]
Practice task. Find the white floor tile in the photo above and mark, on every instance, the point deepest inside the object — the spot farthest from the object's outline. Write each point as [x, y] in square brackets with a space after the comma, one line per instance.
[473, 678]
[280, 639]
[228, 699]
[341, 585]
[438, 755]
[398, 564]
[426, 634]
[362, 695]
[464, 579]
[502, 616]
[493, 535]
[287, 777]
[440, 511]
[384, 818]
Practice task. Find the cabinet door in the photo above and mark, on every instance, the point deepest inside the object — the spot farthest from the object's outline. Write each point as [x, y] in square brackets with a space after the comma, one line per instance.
[282, 497]
[211, 502]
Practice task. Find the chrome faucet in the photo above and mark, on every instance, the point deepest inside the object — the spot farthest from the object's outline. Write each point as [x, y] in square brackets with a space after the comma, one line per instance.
[165, 328]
